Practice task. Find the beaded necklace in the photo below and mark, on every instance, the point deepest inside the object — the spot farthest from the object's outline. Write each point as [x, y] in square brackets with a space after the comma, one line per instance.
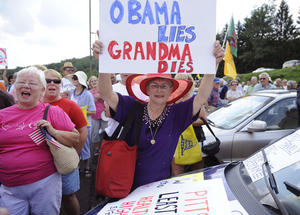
[155, 123]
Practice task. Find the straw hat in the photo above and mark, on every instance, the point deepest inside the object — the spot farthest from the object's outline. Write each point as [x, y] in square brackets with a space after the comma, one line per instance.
[136, 86]
[82, 78]
[68, 65]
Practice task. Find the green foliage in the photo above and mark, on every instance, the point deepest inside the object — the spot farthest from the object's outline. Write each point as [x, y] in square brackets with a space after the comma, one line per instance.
[291, 73]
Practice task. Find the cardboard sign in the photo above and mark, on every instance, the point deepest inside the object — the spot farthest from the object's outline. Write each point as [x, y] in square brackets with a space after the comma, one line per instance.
[142, 36]
[3, 57]
[187, 195]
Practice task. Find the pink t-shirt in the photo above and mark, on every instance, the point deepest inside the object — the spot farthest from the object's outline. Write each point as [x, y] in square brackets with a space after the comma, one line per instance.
[21, 160]
[99, 105]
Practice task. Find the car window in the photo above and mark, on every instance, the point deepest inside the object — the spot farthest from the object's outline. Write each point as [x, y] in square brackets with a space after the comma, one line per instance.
[237, 111]
[282, 115]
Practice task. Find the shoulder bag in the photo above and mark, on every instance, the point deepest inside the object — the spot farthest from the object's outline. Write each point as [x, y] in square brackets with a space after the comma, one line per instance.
[65, 158]
[117, 160]
[210, 148]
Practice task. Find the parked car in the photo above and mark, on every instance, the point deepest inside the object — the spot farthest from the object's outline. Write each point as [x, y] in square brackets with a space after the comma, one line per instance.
[266, 183]
[249, 123]
[291, 63]
[262, 69]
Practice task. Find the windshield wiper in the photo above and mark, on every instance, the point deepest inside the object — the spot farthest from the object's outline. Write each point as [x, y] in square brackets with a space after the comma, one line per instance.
[211, 122]
[292, 188]
[272, 185]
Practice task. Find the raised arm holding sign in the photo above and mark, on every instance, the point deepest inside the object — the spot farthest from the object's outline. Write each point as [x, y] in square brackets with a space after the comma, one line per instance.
[162, 121]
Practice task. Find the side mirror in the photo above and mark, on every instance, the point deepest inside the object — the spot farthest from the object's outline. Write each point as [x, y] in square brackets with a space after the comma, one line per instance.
[257, 126]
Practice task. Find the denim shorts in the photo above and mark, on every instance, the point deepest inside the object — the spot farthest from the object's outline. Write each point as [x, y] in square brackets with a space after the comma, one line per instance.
[41, 197]
[70, 182]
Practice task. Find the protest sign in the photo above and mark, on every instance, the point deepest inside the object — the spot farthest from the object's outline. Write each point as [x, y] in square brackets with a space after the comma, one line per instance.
[3, 57]
[187, 195]
[142, 36]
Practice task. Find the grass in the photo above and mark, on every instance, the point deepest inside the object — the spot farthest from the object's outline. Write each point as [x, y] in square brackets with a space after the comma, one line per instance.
[291, 73]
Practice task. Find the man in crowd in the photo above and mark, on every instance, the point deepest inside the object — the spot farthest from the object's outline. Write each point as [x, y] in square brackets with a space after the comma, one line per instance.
[250, 88]
[264, 82]
[214, 97]
[66, 82]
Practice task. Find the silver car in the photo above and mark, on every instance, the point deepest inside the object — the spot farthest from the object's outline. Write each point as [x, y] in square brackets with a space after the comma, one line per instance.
[249, 123]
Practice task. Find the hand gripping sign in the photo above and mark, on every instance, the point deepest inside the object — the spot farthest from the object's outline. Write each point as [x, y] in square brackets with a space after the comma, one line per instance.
[159, 36]
[3, 57]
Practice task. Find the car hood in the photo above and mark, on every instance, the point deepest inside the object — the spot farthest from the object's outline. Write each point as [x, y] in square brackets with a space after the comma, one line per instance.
[181, 194]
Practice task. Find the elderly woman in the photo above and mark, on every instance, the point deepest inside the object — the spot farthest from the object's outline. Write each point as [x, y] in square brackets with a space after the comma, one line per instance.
[162, 123]
[30, 182]
[233, 93]
[70, 182]
[85, 100]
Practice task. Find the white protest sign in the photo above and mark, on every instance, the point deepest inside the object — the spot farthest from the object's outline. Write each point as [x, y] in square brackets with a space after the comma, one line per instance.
[3, 57]
[281, 154]
[174, 196]
[142, 36]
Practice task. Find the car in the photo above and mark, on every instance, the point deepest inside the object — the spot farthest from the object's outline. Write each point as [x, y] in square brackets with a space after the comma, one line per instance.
[249, 123]
[262, 69]
[291, 63]
[266, 183]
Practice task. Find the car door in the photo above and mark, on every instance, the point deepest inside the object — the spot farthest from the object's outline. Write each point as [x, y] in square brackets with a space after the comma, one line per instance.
[281, 118]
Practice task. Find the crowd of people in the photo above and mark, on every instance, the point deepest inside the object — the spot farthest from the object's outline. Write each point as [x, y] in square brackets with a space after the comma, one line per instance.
[224, 92]
[83, 109]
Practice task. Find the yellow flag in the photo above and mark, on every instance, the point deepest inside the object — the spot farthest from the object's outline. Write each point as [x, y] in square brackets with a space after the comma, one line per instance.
[229, 67]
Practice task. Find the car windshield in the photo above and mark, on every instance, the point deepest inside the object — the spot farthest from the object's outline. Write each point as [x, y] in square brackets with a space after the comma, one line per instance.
[237, 111]
[284, 159]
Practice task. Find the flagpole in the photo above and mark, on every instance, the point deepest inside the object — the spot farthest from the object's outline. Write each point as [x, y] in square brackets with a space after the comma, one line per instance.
[223, 45]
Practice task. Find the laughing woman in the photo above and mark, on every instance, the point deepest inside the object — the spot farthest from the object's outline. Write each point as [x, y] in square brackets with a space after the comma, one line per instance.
[162, 123]
[30, 183]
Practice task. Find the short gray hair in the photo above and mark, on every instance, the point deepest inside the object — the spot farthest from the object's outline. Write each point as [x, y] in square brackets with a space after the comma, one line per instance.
[264, 74]
[33, 70]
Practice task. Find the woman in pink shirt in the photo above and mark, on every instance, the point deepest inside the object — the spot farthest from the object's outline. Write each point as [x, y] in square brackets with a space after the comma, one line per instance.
[97, 122]
[29, 180]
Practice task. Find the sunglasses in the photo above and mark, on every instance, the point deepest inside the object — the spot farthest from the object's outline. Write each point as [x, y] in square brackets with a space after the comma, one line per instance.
[262, 79]
[74, 78]
[69, 69]
[55, 81]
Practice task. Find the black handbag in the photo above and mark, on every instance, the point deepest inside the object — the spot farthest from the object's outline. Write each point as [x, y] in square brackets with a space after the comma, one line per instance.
[210, 148]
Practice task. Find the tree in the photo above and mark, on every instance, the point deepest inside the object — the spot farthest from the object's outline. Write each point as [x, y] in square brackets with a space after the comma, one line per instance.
[283, 23]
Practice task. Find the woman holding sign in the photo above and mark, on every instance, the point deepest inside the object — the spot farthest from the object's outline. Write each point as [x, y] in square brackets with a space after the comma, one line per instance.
[162, 122]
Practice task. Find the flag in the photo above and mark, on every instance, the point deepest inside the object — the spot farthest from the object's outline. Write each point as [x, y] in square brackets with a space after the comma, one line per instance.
[229, 67]
[232, 38]
[37, 136]
[40, 135]
[50, 139]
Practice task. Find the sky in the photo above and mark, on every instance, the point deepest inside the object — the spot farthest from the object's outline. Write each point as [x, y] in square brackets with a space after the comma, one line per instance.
[49, 31]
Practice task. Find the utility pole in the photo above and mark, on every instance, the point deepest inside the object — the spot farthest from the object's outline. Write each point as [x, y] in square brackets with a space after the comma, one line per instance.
[90, 33]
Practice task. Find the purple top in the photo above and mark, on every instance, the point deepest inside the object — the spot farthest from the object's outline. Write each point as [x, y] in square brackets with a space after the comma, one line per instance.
[154, 161]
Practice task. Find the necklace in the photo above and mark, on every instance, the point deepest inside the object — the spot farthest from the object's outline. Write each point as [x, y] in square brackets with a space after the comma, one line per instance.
[155, 123]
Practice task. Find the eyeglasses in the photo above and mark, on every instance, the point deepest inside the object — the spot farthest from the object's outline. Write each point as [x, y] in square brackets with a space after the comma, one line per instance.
[262, 79]
[69, 69]
[55, 81]
[30, 84]
[156, 86]
[74, 78]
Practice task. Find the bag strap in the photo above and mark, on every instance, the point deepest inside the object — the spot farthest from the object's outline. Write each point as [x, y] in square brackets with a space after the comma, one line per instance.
[209, 128]
[128, 124]
[46, 112]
